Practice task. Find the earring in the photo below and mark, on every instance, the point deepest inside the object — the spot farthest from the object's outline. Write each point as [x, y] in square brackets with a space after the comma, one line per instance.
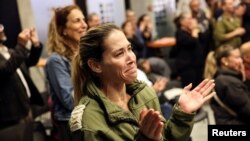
[96, 70]
[64, 33]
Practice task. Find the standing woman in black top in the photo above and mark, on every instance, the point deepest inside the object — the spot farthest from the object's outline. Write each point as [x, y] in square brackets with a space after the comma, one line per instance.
[187, 53]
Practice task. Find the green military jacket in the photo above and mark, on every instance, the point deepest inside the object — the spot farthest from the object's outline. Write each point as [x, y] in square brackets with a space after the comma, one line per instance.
[96, 118]
[224, 25]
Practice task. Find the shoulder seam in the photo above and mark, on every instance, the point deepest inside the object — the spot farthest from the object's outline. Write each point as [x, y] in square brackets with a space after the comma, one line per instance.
[75, 121]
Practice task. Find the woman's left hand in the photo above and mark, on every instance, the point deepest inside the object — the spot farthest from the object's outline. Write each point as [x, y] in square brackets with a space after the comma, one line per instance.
[151, 125]
[192, 100]
[34, 37]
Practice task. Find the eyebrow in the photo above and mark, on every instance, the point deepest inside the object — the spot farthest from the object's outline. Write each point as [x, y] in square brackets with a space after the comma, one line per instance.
[121, 48]
[76, 18]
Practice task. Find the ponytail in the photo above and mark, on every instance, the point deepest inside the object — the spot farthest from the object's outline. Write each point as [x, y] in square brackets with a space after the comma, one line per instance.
[78, 78]
[210, 66]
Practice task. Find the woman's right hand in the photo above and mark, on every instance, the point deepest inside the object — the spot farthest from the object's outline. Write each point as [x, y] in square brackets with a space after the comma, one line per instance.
[151, 125]
[192, 100]
[24, 37]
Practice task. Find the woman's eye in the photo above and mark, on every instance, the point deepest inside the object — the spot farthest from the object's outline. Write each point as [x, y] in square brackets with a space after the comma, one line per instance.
[77, 20]
[119, 54]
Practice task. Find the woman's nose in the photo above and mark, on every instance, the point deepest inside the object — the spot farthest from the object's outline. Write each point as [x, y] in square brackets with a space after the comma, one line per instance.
[84, 25]
[131, 57]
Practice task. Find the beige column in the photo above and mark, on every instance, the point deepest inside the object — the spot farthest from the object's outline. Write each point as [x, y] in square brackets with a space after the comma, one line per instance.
[25, 13]
[27, 21]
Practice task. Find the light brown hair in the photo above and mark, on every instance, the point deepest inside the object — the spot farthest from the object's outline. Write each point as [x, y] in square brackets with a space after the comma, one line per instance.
[57, 41]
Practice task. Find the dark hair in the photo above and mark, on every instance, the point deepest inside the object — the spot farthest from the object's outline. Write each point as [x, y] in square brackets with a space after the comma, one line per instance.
[178, 19]
[223, 51]
[124, 24]
[91, 47]
[141, 19]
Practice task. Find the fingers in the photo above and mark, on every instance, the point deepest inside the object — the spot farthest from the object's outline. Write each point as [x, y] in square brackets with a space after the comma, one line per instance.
[209, 96]
[202, 84]
[25, 34]
[33, 32]
[23, 37]
[158, 131]
[187, 88]
[34, 37]
[154, 119]
[143, 113]
[33, 29]
[28, 34]
[150, 124]
[147, 117]
[207, 87]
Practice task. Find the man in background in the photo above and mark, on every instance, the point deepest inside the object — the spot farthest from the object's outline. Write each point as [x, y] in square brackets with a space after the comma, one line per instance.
[93, 20]
[17, 91]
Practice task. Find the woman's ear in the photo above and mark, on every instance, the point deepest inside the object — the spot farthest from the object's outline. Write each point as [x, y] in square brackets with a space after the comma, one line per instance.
[224, 61]
[64, 32]
[94, 66]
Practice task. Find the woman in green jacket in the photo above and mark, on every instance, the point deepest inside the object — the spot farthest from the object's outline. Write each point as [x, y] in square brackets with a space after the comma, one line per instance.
[113, 105]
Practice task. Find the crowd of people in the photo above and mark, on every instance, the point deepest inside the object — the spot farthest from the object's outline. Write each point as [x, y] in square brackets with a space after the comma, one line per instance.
[107, 81]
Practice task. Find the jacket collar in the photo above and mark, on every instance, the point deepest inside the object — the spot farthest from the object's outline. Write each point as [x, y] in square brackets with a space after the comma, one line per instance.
[115, 113]
[225, 71]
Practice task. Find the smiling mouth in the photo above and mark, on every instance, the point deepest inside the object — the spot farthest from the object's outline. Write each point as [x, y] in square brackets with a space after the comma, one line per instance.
[132, 69]
[82, 31]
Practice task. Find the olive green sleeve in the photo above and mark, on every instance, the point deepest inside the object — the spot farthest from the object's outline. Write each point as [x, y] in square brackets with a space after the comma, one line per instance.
[219, 31]
[179, 126]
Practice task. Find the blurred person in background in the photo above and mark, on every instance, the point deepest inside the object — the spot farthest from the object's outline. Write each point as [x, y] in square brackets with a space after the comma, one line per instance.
[245, 54]
[65, 30]
[93, 20]
[204, 26]
[231, 103]
[138, 47]
[188, 54]
[228, 29]
[18, 92]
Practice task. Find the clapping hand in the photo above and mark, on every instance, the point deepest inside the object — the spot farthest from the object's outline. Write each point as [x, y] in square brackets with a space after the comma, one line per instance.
[192, 100]
[150, 121]
[34, 37]
[28, 35]
[24, 37]
[151, 124]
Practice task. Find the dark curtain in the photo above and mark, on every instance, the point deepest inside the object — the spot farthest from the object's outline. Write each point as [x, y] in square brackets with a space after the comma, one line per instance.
[10, 19]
